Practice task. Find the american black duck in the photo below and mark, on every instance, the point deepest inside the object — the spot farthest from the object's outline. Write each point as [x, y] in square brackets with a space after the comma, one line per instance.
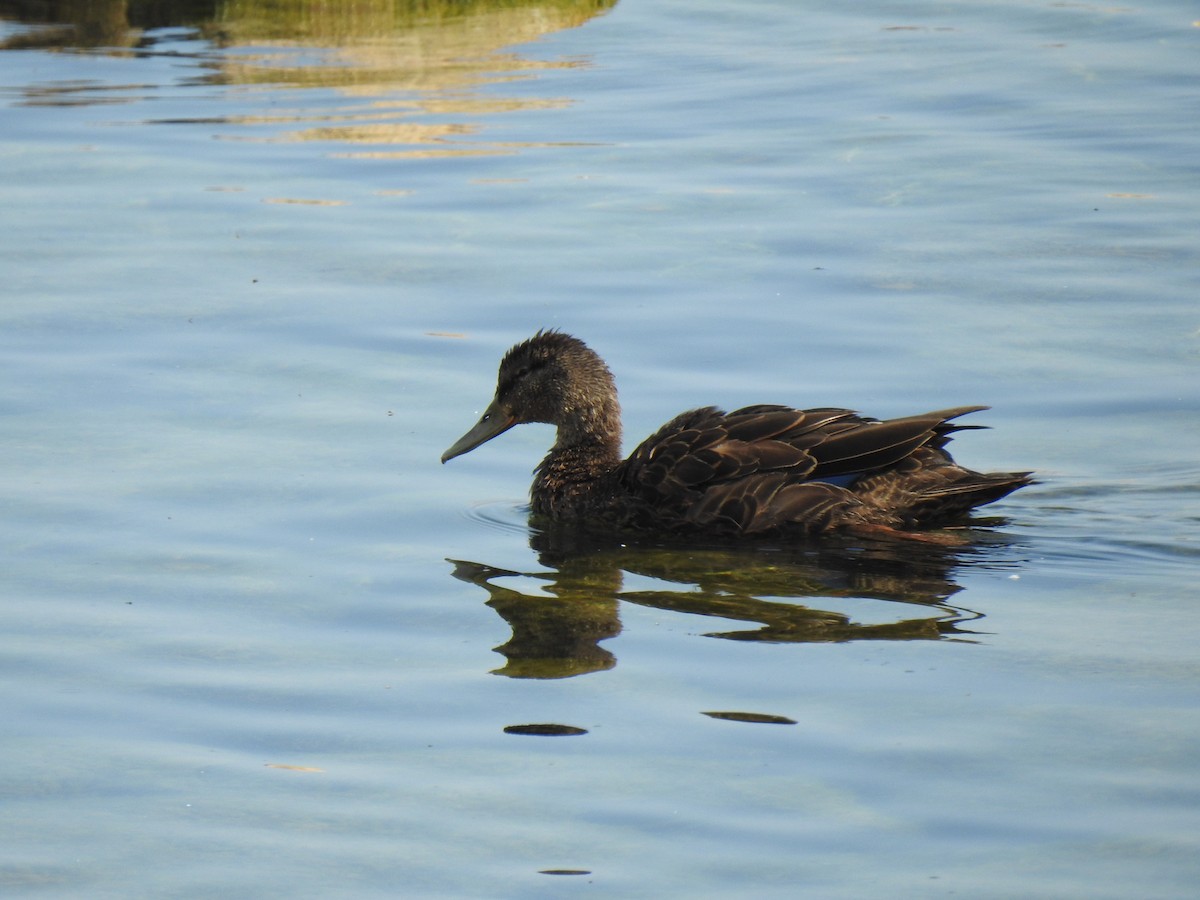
[759, 470]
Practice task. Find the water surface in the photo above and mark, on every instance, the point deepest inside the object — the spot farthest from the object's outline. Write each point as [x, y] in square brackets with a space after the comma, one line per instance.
[259, 266]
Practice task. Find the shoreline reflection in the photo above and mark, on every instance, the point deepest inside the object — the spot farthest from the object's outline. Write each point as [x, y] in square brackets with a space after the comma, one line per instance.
[361, 77]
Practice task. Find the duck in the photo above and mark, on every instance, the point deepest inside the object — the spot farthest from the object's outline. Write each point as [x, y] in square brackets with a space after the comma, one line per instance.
[763, 470]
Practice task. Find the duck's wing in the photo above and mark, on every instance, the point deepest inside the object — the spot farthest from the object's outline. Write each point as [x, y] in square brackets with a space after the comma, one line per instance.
[869, 445]
[761, 467]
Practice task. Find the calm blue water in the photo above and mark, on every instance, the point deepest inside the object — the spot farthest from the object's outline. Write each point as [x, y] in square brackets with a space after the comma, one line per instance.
[257, 274]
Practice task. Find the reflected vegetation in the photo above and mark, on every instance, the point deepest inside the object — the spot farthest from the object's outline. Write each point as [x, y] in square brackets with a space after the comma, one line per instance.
[832, 592]
[361, 74]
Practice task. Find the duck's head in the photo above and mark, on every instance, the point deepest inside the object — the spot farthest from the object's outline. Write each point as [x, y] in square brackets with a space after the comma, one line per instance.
[553, 378]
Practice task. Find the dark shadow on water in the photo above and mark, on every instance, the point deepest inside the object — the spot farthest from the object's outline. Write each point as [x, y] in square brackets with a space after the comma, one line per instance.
[777, 591]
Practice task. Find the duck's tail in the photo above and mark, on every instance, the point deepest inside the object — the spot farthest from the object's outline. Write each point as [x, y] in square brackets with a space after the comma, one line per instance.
[946, 502]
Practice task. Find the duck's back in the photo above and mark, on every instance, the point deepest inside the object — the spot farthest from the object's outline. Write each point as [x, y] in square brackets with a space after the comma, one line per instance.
[765, 469]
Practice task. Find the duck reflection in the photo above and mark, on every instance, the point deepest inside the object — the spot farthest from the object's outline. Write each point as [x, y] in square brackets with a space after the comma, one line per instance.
[556, 632]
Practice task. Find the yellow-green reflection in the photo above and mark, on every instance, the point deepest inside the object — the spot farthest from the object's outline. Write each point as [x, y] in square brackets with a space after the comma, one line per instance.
[556, 632]
[387, 61]
[75, 23]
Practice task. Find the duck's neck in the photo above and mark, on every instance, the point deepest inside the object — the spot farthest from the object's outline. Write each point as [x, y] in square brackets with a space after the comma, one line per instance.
[586, 452]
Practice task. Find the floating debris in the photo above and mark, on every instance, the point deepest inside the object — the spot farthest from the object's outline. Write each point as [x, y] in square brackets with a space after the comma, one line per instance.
[546, 730]
[760, 718]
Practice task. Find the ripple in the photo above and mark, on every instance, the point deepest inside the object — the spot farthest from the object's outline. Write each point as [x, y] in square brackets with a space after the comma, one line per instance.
[1131, 555]
[1138, 522]
[502, 515]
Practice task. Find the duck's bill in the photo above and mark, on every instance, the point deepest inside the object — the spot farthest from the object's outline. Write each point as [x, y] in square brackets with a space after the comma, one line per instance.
[494, 421]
